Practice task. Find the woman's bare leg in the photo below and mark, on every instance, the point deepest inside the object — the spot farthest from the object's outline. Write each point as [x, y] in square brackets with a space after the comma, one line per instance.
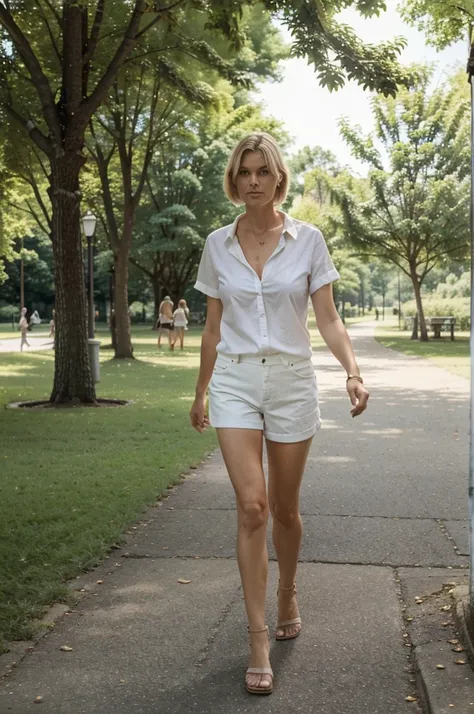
[159, 337]
[242, 452]
[286, 463]
[181, 336]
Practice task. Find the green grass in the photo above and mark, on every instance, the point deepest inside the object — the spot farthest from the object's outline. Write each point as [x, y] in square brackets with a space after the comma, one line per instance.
[73, 480]
[453, 356]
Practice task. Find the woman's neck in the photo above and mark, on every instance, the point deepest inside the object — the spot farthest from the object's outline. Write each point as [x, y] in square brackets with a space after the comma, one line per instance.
[262, 218]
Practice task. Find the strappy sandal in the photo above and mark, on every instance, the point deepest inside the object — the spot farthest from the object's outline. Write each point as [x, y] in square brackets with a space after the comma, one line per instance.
[259, 670]
[287, 623]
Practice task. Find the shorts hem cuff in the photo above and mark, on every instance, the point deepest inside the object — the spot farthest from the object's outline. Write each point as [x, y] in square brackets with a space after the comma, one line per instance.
[233, 425]
[293, 438]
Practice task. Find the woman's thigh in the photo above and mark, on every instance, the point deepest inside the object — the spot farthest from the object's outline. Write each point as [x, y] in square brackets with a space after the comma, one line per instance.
[286, 464]
[242, 450]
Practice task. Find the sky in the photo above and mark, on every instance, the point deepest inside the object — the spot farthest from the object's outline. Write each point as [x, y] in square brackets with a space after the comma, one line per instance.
[310, 113]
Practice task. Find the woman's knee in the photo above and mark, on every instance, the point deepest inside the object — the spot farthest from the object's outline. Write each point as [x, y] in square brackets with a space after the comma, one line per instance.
[286, 514]
[253, 514]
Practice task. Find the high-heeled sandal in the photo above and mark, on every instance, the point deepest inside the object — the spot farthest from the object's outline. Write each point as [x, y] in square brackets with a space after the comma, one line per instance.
[287, 623]
[259, 670]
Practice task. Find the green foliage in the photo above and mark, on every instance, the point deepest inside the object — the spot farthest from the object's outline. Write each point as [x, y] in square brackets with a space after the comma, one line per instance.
[455, 286]
[442, 21]
[417, 213]
[442, 307]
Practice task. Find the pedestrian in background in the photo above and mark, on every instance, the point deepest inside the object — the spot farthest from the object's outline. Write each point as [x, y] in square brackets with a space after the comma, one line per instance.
[180, 319]
[258, 275]
[52, 325]
[23, 325]
[165, 321]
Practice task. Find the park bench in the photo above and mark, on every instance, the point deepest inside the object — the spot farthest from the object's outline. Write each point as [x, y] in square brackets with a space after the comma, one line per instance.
[437, 324]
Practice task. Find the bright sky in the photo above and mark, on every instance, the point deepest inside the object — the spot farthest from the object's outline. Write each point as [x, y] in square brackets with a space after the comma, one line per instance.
[310, 113]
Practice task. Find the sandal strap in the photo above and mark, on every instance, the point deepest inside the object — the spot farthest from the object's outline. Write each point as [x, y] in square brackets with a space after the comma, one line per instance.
[293, 587]
[264, 629]
[286, 623]
[260, 670]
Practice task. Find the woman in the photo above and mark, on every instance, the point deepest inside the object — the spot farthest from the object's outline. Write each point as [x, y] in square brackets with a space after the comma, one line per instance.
[165, 321]
[256, 354]
[180, 320]
[23, 325]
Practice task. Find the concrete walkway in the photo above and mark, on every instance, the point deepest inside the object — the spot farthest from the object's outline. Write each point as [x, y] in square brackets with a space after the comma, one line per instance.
[37, 341]
[384, 504]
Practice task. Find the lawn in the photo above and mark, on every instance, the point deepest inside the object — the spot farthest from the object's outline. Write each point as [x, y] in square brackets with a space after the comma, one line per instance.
[73, 480]
[453, 356]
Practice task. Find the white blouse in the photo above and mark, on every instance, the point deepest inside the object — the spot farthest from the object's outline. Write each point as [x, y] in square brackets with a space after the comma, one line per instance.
[269, 315]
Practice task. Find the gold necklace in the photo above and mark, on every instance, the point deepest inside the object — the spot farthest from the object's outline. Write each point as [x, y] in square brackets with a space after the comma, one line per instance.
[262, 242]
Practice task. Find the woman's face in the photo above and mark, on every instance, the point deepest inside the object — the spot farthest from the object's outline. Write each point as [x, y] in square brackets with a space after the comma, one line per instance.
[255, 184]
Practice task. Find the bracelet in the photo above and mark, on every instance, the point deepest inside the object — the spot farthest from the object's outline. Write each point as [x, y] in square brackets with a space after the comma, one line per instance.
[354, 376]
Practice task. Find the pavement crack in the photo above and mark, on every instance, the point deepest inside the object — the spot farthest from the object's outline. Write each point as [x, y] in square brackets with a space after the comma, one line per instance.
[204, 653]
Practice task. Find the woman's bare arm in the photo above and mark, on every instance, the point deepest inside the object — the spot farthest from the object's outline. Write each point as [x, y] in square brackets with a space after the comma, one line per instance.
[210, 339]
[335, 335]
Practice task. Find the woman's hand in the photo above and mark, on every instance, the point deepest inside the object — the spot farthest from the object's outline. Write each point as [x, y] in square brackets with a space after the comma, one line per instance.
[199, 419]
[358, 395]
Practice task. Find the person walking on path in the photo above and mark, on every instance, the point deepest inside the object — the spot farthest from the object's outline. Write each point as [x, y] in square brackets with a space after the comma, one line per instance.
[258, 274]
[180, 321]
[165, 321]
[23, 325]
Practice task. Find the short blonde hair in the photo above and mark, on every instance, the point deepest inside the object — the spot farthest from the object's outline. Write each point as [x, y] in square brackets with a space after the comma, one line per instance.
[273, 157]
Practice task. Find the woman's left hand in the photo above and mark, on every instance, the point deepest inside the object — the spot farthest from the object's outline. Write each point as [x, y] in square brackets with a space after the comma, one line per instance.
[358, 395]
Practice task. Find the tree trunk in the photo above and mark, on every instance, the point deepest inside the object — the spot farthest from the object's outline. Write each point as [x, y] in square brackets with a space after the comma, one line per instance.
[123, 348]
[72, 374]
[414, 332]
[419, 307]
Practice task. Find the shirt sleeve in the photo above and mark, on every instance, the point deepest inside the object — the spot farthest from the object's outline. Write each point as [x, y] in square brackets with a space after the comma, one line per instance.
[207, 280]
[322, 267]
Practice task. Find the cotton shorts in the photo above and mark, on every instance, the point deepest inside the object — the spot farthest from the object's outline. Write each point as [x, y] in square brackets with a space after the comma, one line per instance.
[275, 393]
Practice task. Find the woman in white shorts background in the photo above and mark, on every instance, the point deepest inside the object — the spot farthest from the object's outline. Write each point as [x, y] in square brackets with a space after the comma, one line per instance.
[180, 320]
[258, 275]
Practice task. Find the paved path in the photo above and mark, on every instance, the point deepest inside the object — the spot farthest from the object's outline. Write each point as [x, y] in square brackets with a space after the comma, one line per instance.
[384, 505]
[38, 341]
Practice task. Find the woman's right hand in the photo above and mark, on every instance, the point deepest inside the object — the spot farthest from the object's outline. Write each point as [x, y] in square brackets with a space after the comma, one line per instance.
[198, 416]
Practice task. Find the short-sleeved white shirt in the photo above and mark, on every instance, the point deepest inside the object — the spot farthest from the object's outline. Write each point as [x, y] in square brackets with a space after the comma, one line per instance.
[269, 315]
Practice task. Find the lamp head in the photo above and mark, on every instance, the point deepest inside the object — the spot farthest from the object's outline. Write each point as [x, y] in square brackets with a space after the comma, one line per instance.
[88, 223]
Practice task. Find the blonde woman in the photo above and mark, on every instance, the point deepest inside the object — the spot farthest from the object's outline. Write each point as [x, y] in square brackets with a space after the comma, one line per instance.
[258, 274]
[180, 320]
[165, 321]
[23, 325]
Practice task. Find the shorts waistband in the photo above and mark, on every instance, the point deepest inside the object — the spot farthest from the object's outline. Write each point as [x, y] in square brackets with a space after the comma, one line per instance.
[265, 360]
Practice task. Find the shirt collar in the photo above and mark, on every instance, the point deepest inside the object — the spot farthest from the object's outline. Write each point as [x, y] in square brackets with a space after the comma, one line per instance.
[289, 227]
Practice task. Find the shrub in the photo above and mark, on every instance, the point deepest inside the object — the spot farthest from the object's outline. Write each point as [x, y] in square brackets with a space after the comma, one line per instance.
[439, 307]
[6, 312]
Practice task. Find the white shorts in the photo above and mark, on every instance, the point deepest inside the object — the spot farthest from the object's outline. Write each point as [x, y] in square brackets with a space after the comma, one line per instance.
[275, 393]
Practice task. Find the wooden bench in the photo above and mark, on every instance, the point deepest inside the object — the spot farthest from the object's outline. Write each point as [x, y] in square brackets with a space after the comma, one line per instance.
[437, 324]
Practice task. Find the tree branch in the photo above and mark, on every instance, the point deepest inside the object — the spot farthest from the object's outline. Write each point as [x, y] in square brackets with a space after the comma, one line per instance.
[50, 32]
[34, 68]
[94, 36]
[42, 141]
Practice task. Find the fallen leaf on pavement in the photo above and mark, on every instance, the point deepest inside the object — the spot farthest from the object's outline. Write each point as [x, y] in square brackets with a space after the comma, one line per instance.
[66, 648]
[183, 581]
[38, 699]
[458, 649]
[446, 608]
[440, 666]
[453, 642]
[410, 699]
[460, 661]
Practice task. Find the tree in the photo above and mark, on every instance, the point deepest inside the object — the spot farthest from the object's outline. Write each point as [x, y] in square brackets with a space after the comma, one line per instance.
[71, 67]
[380, 281]
[418, 211]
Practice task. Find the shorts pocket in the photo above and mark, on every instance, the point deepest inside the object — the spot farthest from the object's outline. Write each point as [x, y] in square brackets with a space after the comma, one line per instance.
[221, 365]
[303, 370]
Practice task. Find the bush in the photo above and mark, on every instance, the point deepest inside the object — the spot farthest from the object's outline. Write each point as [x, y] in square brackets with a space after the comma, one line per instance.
[6, 312]
[442, 307]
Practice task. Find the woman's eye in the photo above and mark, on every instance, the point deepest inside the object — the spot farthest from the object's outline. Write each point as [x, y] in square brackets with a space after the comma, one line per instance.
[264, 172]
[243, 172]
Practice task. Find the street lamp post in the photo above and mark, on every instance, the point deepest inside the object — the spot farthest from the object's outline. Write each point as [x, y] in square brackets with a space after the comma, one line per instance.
[89, 221]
